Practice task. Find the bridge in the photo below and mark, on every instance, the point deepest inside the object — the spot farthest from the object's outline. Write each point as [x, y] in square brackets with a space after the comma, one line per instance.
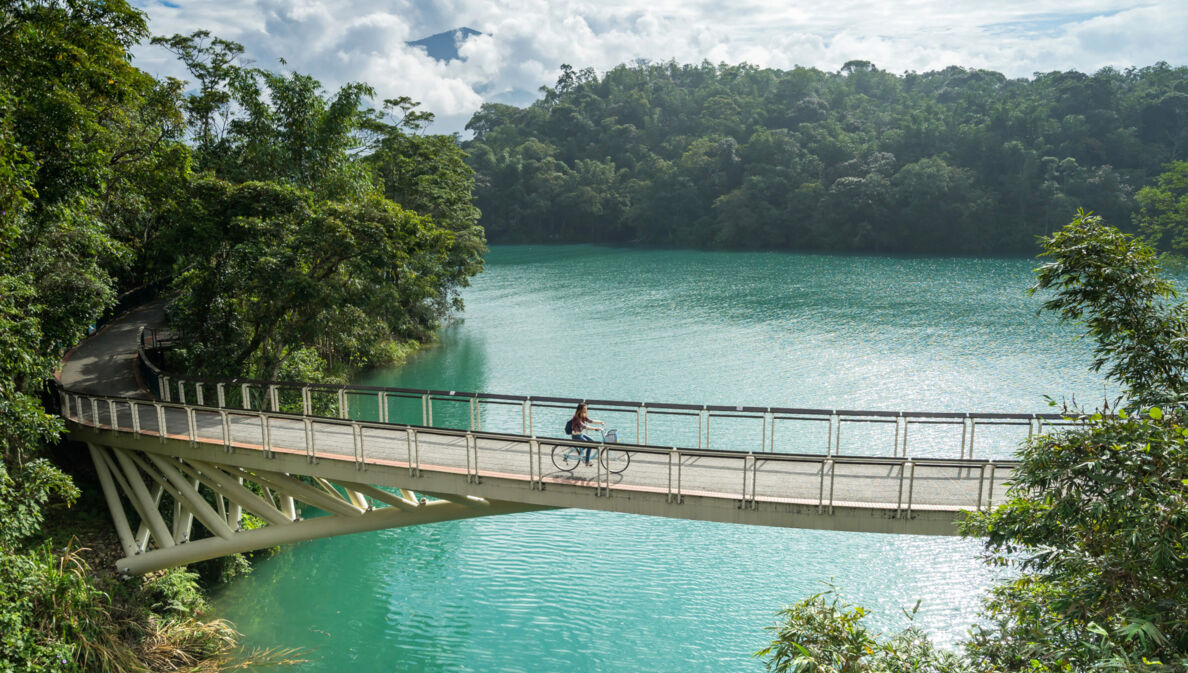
[308, 461]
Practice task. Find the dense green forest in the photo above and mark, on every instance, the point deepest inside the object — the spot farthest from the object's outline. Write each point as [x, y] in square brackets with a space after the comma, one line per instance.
[299, 233]
[736, 156]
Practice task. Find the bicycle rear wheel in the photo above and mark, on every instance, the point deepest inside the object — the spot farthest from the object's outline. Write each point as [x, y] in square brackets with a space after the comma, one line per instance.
[566, 457]
[615, 460]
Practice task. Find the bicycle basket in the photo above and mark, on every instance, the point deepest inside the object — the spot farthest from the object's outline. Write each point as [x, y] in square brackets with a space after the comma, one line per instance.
[610, 436]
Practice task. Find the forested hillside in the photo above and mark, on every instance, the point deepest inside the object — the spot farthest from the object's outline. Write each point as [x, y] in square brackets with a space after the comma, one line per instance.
[962, 161]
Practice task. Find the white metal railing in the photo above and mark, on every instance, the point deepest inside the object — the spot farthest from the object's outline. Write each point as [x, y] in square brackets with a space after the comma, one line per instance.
[768, 430]
[897, 484]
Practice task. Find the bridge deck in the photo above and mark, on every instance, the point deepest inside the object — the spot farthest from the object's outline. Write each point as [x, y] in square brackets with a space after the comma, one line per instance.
[899, 487]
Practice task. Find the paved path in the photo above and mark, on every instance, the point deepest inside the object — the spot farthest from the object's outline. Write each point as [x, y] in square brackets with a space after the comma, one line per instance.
[105, 362]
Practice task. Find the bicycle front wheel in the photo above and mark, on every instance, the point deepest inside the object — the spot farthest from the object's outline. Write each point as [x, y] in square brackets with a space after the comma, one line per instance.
[566, 458]
[615, 460]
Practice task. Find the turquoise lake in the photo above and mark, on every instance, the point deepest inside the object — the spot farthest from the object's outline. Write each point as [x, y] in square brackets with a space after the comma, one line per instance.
[572, 590]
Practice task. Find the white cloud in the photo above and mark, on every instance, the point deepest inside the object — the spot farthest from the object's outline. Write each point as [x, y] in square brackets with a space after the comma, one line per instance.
[525, 41]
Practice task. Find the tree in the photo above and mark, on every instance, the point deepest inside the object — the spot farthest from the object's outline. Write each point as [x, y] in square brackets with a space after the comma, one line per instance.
[1040, 147]
[1096, 522]
[1162, 217]
[1111, 281]
[823, 634]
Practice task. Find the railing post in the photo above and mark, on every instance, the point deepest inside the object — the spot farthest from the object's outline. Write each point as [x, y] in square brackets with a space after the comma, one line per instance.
[680, 496]
[754, 482]
[990, 488]
[837, 443]
[357, 437]
[95, 412]
[773, 428]
[645, 422]
[911, 486]
[165, 389]
[524, 417]
[161, 429]
[225, 422]
[221, 394]
[274, 397]
[981, 486]
[306, 402]
[899, 500]
[829, 435]
[245, 394]
[832, 478]
[381, 399]
[531, 427]
[700, 415]
[763, 435]
[309, 439]
[826, 464]
[181, 391]
[192, 426]
[199, 394]
[466, 439]
[342, 403]
[472, 441]
[602, 472]
[973, 427]
[539, 466]
[964, 431]
[416, 443]
[263, 433]
[746, 461]
[135, 418]
[112, 416]
[409, 433]
[532, 448]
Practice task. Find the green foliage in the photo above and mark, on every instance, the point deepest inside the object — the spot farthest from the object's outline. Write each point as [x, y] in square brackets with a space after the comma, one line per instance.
[1095, 528]
[284, 231]
[1162, 217]
[320, 230]
[284, 273]
[55, 616]
[1097, 525]
[822, 634]
[959, 160]
[1111, 281]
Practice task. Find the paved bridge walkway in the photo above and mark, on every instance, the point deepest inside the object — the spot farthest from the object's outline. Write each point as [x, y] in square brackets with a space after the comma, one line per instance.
[315, 461]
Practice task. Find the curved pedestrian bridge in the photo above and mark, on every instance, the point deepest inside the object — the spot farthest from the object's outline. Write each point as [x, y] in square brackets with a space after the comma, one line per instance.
[310, 461]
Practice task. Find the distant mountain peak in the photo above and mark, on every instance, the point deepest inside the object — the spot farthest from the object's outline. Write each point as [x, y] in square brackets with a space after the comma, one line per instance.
[444, 46]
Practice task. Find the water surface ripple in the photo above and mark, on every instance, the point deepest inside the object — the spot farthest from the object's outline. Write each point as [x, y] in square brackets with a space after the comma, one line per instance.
[585, 591]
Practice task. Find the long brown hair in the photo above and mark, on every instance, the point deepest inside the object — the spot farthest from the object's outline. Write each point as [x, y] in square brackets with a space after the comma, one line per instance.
[580, 413]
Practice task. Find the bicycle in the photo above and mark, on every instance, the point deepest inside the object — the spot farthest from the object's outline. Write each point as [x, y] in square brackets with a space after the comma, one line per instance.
[566, 458]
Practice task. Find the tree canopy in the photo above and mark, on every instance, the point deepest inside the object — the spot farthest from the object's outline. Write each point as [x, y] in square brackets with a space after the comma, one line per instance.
[290, 228]
[735, 156]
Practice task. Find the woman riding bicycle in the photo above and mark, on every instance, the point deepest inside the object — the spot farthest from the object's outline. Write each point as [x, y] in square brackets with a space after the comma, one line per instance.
[577, 428]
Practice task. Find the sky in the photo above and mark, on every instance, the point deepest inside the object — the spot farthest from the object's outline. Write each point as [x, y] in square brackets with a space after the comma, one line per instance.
[525, 42]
